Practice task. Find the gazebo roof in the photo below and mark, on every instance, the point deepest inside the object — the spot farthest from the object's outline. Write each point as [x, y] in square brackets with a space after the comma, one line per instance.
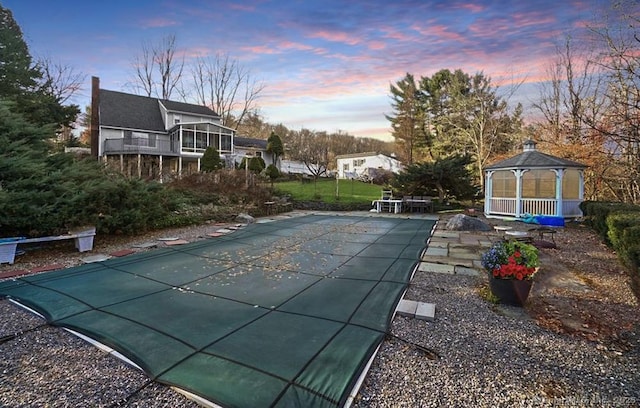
[531, 158]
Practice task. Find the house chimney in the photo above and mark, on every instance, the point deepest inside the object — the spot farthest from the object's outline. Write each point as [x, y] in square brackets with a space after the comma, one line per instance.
[95, 115]
[529, 146]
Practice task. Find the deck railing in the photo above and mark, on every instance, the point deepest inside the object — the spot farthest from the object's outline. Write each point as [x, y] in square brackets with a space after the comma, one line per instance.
[141, 145]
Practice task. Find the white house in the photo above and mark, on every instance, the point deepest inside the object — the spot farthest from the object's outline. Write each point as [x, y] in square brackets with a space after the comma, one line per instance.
[357, 165]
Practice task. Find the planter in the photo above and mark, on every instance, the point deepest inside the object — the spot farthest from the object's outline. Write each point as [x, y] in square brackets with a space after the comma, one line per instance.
[510, 291]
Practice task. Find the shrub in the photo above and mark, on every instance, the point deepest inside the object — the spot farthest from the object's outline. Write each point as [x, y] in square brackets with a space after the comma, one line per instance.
[211, 160]
[596, 213]
[272, 172]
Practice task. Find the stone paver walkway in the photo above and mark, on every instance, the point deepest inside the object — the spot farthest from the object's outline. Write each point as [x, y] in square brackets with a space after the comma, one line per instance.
[455, 252]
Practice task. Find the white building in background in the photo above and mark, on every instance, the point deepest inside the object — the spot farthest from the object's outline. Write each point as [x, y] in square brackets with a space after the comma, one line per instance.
[357, 165]
[296, 167]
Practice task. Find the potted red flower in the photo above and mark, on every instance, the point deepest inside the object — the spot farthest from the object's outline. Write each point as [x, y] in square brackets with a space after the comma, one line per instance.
[511, 266]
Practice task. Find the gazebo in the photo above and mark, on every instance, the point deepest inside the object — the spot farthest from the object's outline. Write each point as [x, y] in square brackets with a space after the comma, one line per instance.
[534, 183]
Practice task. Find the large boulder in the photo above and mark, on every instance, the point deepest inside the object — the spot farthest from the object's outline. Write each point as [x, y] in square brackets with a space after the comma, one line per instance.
[461, 222]
[245, 218]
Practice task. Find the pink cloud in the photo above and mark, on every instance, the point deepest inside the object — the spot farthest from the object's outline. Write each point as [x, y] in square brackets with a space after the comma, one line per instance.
[532, 19]
[474, 8]
[261, 49]
[376, 45]
[393, 34]
[440, 32]
[336, 37]
[283, 47]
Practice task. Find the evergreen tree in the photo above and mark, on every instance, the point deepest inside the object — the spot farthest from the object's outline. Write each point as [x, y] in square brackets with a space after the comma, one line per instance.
[275, 147]
[407, 120]
[17, 72]
[448, 178]
[211, 160]
[20, 80]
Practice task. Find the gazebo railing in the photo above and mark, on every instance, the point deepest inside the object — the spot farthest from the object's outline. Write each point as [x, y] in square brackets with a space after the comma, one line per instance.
[539, 206]
[503, 206]
[533, 206]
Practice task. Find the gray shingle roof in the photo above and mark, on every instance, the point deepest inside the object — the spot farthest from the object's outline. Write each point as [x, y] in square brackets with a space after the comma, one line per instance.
[534, 159]
[250, 142]
[123, 110]
[189, 108]
[531, 158]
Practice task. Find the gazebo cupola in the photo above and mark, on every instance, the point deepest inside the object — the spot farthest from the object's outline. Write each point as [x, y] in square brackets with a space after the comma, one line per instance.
[534, 183]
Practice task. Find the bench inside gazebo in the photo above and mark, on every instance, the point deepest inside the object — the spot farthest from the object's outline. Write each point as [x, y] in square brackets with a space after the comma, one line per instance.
[534, 183]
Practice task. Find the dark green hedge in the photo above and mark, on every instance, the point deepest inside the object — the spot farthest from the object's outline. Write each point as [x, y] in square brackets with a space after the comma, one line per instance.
[619, 226]
[596, 213]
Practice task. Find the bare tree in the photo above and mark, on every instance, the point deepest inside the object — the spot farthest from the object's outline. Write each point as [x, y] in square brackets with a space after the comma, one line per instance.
[227, 87]
[310, 148]
[591, 105]
[618, 36]
[60, 81]
[157, 70]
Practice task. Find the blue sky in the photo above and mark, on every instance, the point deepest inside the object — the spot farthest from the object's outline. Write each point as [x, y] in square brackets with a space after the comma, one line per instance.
[327, 65]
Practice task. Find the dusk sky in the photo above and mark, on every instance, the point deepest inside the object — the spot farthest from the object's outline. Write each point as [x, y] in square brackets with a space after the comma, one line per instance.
[327, 65]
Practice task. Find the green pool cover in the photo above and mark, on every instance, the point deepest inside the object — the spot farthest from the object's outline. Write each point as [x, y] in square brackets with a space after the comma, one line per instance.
[279, 314]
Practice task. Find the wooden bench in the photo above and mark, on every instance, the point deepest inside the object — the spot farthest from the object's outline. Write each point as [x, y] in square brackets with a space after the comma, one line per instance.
[83, 241]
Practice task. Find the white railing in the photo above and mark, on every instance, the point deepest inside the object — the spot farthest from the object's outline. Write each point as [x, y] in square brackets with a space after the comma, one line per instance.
[534, 206]
[539, 206]
[503, 206]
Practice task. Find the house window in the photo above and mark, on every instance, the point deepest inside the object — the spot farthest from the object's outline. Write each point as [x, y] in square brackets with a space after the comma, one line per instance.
[358, 162]
[258, 154]
[225, 143]
[143, 139]
[201, 140]
[345, 167]
[188, 139]
[176, 121]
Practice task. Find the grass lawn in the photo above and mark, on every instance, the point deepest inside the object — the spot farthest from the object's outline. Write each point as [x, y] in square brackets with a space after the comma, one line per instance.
[348, 191]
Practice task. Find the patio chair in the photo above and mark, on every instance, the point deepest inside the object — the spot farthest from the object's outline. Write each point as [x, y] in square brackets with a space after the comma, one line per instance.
[407, 205]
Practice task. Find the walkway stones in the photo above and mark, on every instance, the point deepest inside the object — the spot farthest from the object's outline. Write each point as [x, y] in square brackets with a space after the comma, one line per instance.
[418, 310]
[436, 268]
[95, 258]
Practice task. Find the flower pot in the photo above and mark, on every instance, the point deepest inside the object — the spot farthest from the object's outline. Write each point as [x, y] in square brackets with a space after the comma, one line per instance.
[510, 291]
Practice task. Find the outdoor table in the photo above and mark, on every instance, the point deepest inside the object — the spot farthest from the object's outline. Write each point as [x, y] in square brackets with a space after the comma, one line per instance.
[397, 205]
[519, 235]
[422, 204]
[545, 230]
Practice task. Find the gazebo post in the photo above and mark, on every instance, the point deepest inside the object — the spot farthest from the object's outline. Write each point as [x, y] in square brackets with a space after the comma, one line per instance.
[488, 192]
[518, 174]
[559, 205]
